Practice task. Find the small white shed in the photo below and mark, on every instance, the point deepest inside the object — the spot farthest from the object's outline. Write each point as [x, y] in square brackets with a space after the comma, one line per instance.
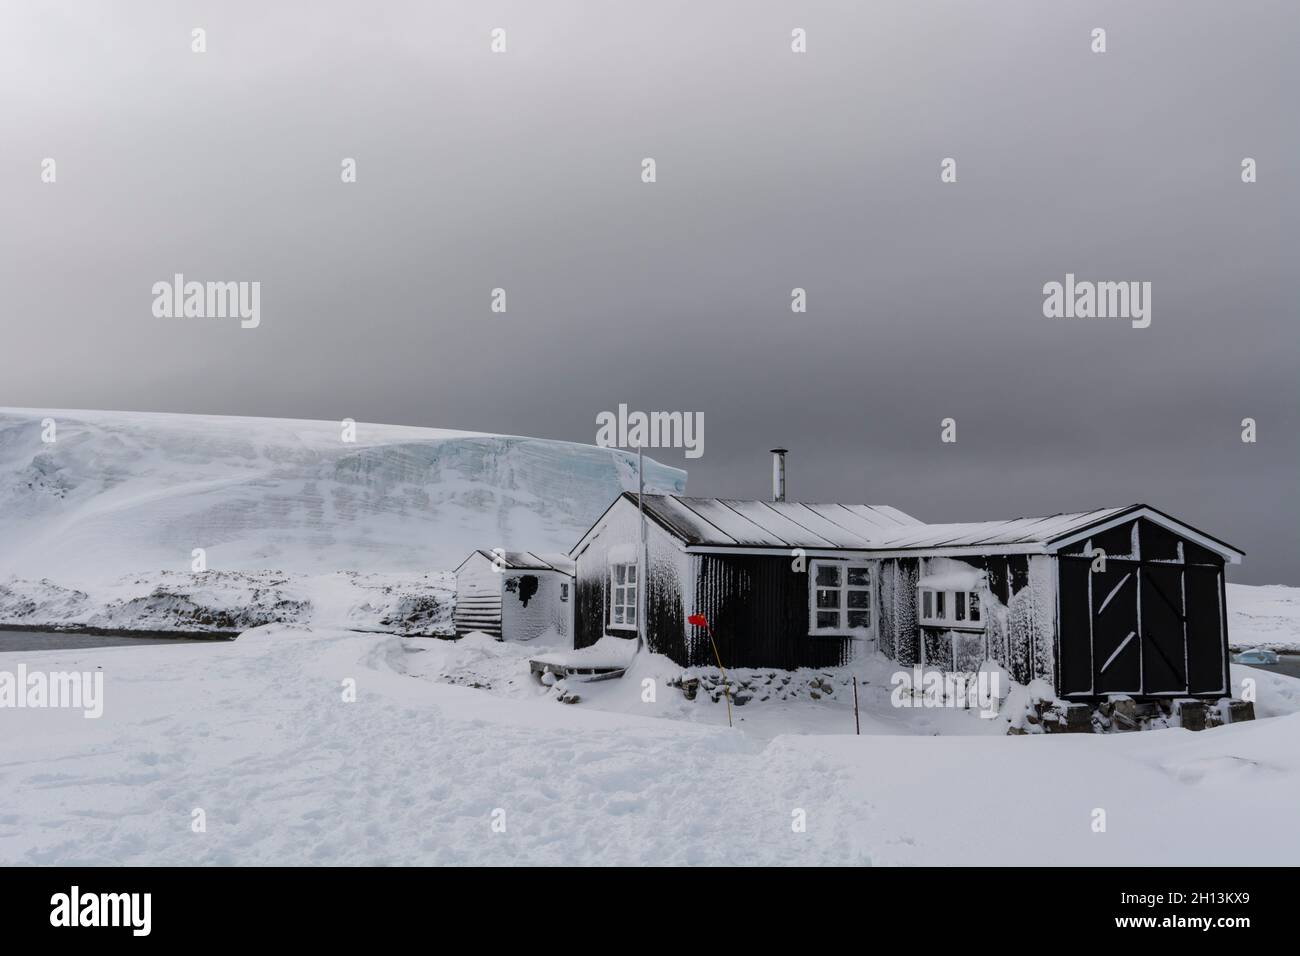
[515, 595]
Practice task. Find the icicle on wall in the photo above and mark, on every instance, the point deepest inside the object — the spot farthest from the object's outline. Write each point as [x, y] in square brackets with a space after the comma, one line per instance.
[906, 633]
[1042, 584]
[886, 573]
[1031, 623]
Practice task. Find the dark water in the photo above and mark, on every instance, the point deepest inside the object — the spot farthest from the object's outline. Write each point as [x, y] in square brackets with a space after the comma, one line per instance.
[66, 641]
[1288, 664]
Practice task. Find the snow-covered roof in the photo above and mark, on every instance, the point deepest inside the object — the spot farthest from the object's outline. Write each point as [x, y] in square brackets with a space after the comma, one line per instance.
[529, 560]
[730, 522]
[1048, 533]
[751, 524]
[1014, 531]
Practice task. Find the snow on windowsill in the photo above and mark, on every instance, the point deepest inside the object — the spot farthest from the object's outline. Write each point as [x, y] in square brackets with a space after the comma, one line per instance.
[952, 625]
[972, 580]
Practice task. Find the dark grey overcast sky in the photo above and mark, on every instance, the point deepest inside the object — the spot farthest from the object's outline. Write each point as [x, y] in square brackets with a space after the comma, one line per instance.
[775, 170]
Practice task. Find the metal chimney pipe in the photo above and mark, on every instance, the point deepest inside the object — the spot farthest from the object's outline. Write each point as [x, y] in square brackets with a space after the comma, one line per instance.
[778, 473]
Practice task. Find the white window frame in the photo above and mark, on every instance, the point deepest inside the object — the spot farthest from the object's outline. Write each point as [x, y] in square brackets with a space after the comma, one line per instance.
[842, 629]
[948, 620]
[630, 593]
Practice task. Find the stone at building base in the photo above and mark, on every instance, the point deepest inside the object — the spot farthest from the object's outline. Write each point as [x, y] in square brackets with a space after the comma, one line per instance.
[1239, 710]
[1123, 712]
[1070, 718]
[1190, 713]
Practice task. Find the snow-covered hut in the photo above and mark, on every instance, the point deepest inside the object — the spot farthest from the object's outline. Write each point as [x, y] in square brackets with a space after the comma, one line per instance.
[514, 595]
[788, 584]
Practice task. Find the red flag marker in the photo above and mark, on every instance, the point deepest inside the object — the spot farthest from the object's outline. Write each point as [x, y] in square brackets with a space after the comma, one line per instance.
[699, 620]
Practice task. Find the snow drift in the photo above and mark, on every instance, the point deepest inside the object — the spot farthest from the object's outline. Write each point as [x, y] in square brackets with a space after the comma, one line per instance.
[288, 772]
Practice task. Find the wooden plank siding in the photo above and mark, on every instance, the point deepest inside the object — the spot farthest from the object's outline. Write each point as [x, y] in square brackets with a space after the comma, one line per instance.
[617, 537]
[589, 611]
[1152, 624]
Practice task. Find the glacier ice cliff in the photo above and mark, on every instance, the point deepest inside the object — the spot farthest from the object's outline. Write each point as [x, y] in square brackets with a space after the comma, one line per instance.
[127, 492]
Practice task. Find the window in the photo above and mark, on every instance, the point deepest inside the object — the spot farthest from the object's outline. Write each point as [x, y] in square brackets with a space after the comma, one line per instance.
[622, 602]
[840, 597]
[564, 590]
[951, 608]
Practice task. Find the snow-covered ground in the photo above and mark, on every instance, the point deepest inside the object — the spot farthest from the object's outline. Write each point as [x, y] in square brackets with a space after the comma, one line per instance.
[446, 739]
[1264, 616]
[234, 601]
[120, 493]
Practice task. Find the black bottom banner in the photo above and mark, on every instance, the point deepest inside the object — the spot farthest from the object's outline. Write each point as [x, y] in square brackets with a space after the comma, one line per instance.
[340, 905]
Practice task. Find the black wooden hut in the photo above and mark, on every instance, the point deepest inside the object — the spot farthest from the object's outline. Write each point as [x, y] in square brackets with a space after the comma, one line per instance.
[1118, 600]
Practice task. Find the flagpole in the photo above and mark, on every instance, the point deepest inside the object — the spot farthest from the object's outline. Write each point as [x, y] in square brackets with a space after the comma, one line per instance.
[643, 557]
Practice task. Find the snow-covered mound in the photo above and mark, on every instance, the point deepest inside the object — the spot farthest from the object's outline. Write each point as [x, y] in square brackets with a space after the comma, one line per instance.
[1267, 616]
[229, 602]
[124, 492]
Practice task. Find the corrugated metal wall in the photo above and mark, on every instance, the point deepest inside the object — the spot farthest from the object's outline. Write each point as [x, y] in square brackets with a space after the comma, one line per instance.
[478, 598]
[758, 607]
